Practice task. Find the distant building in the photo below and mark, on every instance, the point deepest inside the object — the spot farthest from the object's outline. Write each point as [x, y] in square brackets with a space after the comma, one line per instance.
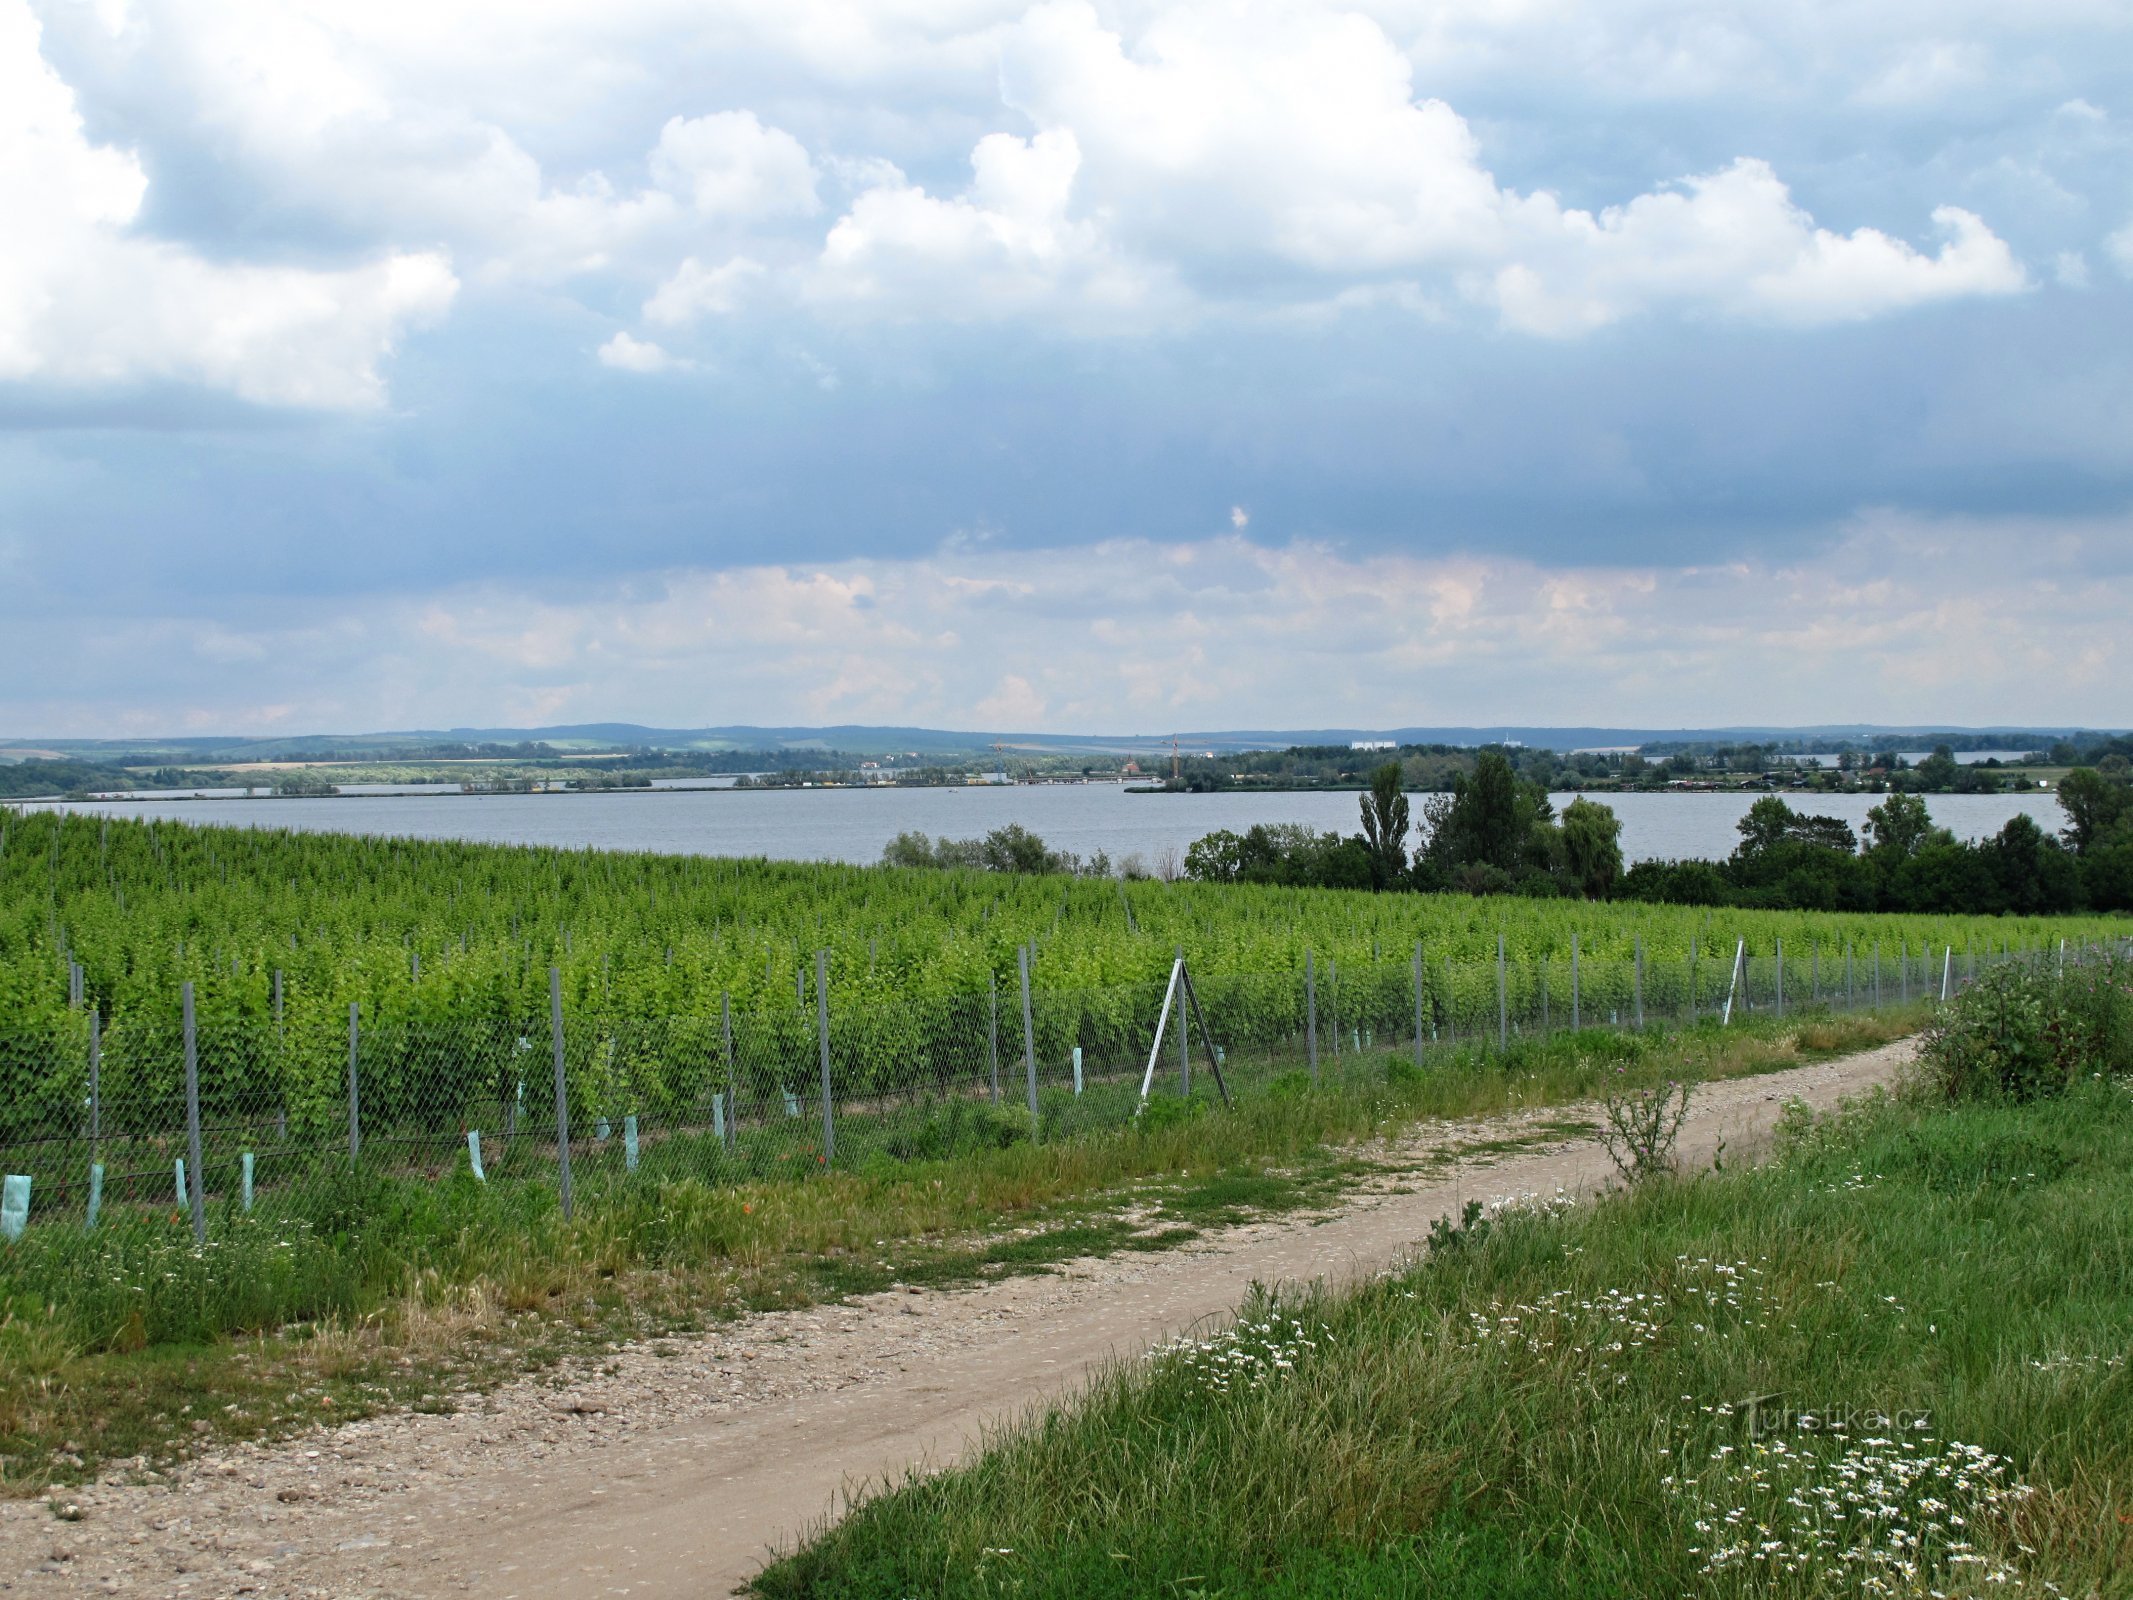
[1373, 744]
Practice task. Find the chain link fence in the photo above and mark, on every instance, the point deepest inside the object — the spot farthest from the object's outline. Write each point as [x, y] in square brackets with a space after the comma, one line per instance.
[176, 1113]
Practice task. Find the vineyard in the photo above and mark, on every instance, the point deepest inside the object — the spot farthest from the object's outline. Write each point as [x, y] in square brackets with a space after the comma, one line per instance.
[260, 1003]
[419, 930]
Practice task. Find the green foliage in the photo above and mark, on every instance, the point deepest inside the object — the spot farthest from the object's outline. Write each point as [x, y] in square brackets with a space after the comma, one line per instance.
[419, 932]
[1592, 847]
[2028, 1031]
[1654, 1396]
[1385, 825]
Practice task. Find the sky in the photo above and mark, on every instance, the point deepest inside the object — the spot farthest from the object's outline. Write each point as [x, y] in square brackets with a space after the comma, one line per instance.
[1064, 367]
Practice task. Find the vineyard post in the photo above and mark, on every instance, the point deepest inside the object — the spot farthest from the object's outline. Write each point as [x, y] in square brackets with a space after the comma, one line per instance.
[1418, 1004]
[725, 1028]
[1815, 970]
[1184, 1048]
[1849, 993]
[1029, 1036]
[1903, 969]
[562, 1099]
[1781, 980]
[822, 1031]
[1638, 981]
[1311, 1014]
[1877, 974]
[281, 1050]
[193, 1187]
[1503, 1005]
[355, 1120]
[992, 1031]
[96, 1082]
[1692, 980]
[1576, 1016]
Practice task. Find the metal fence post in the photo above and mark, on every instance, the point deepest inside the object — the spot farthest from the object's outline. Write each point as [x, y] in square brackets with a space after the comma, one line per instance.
[1877, 974]
[195, 1191]
[1418, 1003]
[1638, 980]
[992, 1031]
[1029, 1035]
[733, 1105]
[1311, 1014]
[562, 1099]
[96, 1082]
[1692, 980]
[1781, 979]
[355, 1113]
[1184, 1046]
[1577, 1017]
[1503, 1008]
[822, 1030]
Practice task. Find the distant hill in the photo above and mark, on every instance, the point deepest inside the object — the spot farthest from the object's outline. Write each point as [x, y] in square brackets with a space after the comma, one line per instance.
[865, 740]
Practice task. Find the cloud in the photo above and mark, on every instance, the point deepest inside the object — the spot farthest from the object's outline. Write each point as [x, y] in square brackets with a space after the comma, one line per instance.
[627, 354]
[696, 291]
[2119, 246]
[1894, 617]
[732, 168]
[1005, 246]
[1736, 243]
[1281, 150]
[87, 297]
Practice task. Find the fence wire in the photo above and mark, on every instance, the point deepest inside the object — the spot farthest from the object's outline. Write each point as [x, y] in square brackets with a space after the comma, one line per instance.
[200, 1115]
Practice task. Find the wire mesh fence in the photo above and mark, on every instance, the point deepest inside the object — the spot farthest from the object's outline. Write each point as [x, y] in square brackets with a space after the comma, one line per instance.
[177, 1113]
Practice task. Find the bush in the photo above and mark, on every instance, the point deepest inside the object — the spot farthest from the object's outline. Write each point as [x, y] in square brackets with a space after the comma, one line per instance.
[2021, 1033]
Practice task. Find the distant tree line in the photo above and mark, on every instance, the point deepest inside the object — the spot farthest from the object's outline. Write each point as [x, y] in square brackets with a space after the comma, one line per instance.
[1496, 832]
[1010, 849]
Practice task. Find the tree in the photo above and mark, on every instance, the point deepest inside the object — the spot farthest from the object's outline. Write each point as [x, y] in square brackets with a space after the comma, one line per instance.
[1939, 771]
[1592, 847]
[1766, 825]
[2095, 806]
[1898, 827]
[2035, 872]
[1487, 820]
[1385, 823]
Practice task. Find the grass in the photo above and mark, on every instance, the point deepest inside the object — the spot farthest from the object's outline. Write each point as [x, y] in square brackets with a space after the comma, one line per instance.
[1893, 1360]
[364, 1290]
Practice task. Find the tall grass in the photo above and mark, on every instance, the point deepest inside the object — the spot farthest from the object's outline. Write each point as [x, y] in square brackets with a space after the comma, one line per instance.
[342, 1243]
[1892, 1361]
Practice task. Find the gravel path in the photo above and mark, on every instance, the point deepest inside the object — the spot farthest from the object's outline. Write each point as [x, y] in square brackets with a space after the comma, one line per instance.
[674, 1467]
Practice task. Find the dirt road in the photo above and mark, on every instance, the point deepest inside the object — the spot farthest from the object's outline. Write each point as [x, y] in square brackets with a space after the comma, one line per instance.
[673, 1468]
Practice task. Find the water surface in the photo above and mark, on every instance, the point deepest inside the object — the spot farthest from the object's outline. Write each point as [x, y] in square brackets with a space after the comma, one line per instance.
[854, 824]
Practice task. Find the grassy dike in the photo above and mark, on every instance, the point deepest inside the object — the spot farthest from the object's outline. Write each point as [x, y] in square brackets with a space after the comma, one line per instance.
[1893, 1360]
[373, 1291]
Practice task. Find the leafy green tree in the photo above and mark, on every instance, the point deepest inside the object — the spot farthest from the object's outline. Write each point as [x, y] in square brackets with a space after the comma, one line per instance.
[1385, 824]
[2034, 871]
[1898, 827]
[2096, 805]
[1592, 847]
[1944, 875]
[1937, 774]
[1487, 820]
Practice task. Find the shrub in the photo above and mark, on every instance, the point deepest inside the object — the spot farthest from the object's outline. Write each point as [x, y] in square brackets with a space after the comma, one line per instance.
[2021, 1033]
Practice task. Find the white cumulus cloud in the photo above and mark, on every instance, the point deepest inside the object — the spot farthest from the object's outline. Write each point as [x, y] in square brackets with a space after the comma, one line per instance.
[627, 354]
[88, 297]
